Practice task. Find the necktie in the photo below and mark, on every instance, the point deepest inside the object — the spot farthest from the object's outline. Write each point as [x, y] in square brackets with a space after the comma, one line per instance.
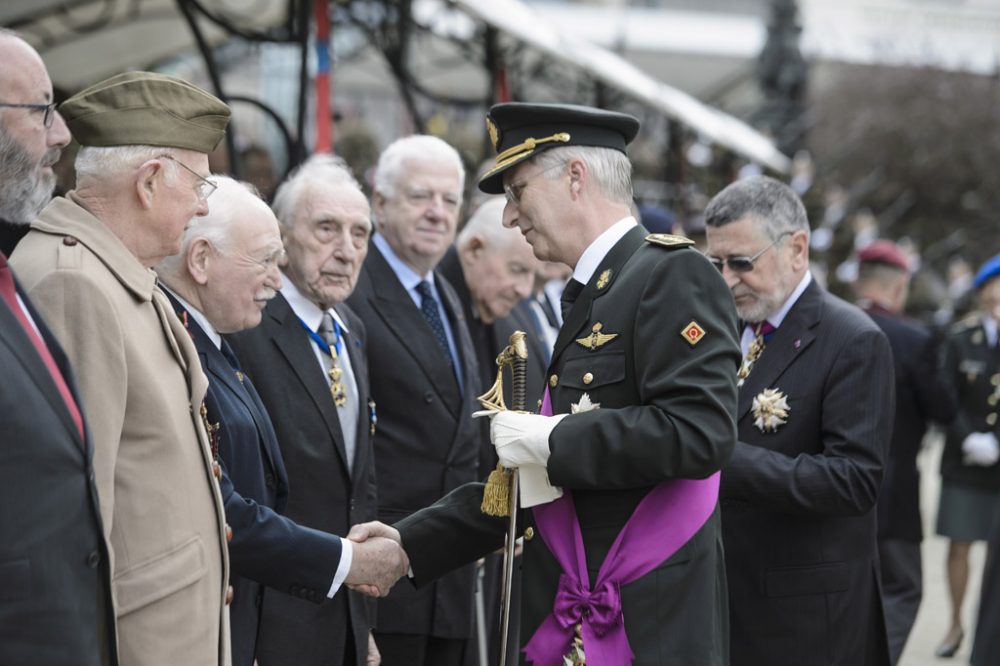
[569, 295]
[230, 355]
[331, 336]
[762, 333]
[10, 296]
[342, 384]
[429, 306]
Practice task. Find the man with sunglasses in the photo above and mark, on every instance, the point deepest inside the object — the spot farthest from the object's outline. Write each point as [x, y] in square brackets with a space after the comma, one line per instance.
[815, 417]
[55, 578]
[141, 176]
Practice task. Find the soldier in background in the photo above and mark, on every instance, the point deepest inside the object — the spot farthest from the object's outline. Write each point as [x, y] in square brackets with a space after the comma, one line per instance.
[970, 475]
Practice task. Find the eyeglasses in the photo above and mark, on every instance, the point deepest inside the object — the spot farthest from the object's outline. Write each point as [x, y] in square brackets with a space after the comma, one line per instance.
[513, 192]
[744, 264]
[48, 116]
[205, 186]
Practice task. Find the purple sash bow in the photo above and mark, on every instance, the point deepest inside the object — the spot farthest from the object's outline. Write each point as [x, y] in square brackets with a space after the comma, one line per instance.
[664, 520]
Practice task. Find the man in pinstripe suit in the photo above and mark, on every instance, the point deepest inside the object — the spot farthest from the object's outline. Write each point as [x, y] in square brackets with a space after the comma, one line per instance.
[814, 418]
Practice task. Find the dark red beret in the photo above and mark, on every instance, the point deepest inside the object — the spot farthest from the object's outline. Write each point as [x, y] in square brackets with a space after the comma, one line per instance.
[884, 252]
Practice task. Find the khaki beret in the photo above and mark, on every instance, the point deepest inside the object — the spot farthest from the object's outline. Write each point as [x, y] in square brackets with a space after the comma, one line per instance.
[143, 108]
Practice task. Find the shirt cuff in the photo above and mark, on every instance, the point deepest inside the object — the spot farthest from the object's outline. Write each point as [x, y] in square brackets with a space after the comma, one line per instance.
[344, 568]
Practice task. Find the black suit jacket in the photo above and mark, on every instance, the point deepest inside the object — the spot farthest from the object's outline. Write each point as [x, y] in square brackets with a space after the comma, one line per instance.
[798, 503]
[267, 549]
[666, 411]
[55, 585]
[323, 493]
[426, 443]
[488, 340]
[922, 395]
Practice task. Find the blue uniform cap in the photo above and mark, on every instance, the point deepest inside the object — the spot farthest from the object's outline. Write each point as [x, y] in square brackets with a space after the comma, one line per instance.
[987, 272]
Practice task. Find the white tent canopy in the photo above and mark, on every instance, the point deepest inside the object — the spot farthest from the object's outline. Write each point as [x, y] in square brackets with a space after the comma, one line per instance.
[522, 22]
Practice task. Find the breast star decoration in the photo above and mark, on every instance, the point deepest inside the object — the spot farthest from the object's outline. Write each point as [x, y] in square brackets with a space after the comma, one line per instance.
[585, 405]
[770, 410]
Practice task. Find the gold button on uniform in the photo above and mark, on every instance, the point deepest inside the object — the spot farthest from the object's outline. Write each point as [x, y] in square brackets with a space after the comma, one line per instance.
[992, 400]
[529, 533]
[995, 380]
[991, 418]
[553, 380]
[587, 378]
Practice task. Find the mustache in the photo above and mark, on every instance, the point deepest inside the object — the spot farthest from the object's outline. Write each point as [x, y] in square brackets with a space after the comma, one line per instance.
[265, 294]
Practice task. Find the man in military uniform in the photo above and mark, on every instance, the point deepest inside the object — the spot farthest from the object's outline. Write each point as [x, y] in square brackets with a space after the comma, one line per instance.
[970, 475]
[86, 264]
[637, 417]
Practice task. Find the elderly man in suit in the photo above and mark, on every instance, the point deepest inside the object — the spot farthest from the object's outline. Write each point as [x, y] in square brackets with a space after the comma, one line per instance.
[86, 264]
[636, 420]
[425, 382]
[307, 359]
[224, 276]
[55, 604]
[815, 417]
[921, 395]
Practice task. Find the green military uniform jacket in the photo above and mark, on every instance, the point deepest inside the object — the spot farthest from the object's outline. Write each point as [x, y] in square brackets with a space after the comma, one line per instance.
[972, 367]
[665, 383]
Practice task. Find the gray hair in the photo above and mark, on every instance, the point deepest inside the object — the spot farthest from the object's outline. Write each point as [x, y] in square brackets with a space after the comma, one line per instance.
[228, 201]
[414, 148]
[611, 169]
[320, 170]
[487, 222]
[773, 206]
[102, 162]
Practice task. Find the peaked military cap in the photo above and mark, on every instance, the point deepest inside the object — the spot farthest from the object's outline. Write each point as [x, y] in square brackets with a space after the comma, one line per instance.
[520, 131]
[987, 272]
[144, 108]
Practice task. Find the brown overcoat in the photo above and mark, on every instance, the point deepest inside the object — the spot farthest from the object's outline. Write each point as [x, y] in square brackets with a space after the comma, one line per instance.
[142, 387]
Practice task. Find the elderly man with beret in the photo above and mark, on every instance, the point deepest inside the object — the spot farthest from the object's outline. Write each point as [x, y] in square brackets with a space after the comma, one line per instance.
[970, 473]
[922, 395]
[86, 264]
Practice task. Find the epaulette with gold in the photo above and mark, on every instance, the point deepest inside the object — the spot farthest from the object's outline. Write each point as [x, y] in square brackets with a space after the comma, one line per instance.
[669, 240]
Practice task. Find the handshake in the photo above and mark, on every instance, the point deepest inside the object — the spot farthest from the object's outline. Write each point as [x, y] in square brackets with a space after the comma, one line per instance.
[379, 559]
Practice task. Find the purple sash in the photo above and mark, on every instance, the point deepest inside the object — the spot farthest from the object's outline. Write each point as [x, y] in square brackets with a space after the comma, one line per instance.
[664, 520]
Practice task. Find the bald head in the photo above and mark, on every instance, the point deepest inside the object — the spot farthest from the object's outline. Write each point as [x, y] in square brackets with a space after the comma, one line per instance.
[28, 148]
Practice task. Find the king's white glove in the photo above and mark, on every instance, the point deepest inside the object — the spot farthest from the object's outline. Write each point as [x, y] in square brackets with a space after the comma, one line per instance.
[981, 448]
[522, 439]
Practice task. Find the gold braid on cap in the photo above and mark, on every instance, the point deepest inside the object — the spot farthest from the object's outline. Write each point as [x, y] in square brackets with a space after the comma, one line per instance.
[524, 149]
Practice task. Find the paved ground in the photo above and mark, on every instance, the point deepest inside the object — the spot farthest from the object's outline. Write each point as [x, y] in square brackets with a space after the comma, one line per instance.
[935, 610]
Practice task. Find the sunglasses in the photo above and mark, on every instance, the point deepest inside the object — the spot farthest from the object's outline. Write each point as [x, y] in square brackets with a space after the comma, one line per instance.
[744, 264]
[46, 109]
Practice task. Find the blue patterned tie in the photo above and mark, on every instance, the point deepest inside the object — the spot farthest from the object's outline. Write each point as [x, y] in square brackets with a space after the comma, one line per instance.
[429, 306]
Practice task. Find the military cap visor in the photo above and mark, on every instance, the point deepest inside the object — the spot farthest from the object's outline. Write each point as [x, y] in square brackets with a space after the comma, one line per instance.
[144, 108]
[520, 131]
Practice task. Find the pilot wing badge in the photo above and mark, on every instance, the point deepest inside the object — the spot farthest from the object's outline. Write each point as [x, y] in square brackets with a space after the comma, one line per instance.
[596, 339]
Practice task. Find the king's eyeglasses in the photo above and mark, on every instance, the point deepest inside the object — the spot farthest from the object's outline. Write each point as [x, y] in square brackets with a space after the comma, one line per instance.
[513, 192]
[205, 186]
[46, 109]
[744, 264]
